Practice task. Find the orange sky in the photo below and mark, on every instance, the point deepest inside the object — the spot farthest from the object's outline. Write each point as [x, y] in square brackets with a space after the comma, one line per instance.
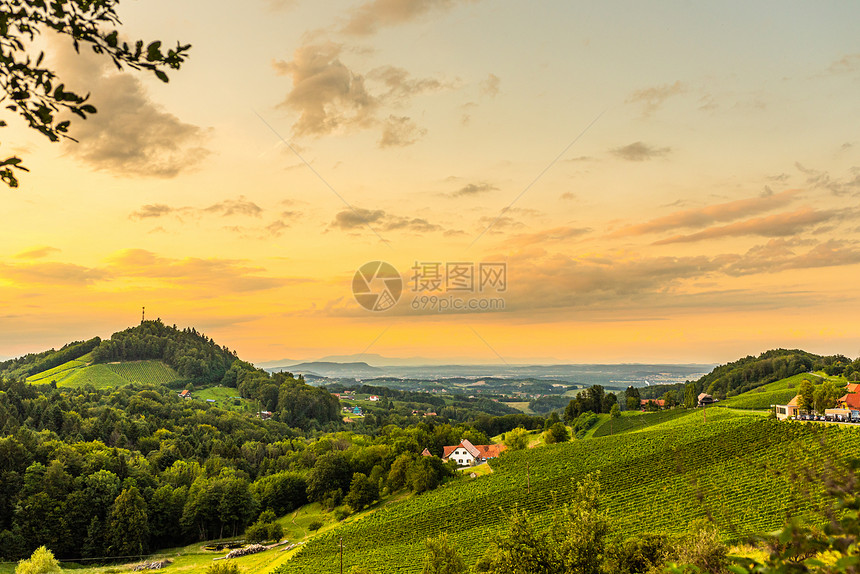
[669, 183]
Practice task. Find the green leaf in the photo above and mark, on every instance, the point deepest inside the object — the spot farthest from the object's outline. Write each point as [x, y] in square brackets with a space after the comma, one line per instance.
[111, 39]
[161, 76]
[153, 53]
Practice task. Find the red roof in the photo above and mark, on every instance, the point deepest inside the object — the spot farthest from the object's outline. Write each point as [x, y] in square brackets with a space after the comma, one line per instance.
[851, 400]
[658, 402]
[426, 452]
[478, 451]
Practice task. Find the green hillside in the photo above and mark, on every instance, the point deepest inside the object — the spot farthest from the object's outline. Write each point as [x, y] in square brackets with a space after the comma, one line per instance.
[733, 467]
[778, 392]
[635, 420]
[79, 372]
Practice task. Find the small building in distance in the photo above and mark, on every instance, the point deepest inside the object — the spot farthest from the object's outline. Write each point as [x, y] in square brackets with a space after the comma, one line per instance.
[185, 394]
[373, 398]
[705, 399]
[788, 411]
[468, 454]
[660, 403]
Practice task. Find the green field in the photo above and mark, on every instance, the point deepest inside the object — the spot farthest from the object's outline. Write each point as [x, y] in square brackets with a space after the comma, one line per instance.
[735, 467]
[224, 397]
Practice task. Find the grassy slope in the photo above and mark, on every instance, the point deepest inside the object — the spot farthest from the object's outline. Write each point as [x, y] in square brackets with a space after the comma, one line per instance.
[79, 372]
[657, 479]
[776, 393]
[633, 421]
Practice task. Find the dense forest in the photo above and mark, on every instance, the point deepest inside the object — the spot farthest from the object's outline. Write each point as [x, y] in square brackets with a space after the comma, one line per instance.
[75, 462]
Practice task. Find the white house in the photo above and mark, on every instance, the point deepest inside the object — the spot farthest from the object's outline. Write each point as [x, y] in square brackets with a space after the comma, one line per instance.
[468, 454]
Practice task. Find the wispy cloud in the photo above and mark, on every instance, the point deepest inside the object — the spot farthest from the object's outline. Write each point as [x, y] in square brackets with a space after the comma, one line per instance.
[778, 225]
[638, 151]
[226, 208]
[652, 98]
[36, 253]
[351, 219]
[371, 16]
[490, 86]
[400, 131]
[707, 215]
[472, 189]
[51, 274]
[820, 179]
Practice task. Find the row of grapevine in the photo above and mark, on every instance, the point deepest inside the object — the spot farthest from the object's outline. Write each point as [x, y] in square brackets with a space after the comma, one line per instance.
[732, 467]
[154, 372]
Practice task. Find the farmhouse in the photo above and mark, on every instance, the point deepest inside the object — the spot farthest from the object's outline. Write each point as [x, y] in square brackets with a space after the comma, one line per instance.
[705, 399]
[468, 454]
[851, 399]
[787, 411]
[643, 403]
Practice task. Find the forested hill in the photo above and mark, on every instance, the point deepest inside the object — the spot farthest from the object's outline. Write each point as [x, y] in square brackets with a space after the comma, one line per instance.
[751, 372]
[193, 355]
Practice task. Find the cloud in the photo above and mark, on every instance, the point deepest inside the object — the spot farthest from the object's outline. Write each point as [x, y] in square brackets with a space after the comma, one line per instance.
[216, 275]
[370, 16]
[330, 97]
[350, 219]
[845, 65]
[400, 86]
[823, 180]
[400, 132]
[654, 97]
[152, 211]
[353, 218]
[225, 208]
[230, 207]
[473, 189]
[638, 151]
[280, 5]
[490, 86]
[710, 214]
[36, 253]
[778, 225]
[326, 93]
[567, 196]
[547, 236]
[48, 274]
[130, 135]
[780, 255]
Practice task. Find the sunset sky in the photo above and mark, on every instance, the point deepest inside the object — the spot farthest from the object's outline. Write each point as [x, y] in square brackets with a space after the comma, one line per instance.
[664, 181]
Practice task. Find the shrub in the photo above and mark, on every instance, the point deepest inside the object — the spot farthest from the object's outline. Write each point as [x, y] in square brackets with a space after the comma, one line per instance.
[315, 525]
[223, 567]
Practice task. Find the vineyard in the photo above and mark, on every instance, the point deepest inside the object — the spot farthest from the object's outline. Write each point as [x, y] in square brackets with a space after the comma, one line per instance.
[154, 372]
[636, 421]
[59, 373]
[77, 373]
[732, 467]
